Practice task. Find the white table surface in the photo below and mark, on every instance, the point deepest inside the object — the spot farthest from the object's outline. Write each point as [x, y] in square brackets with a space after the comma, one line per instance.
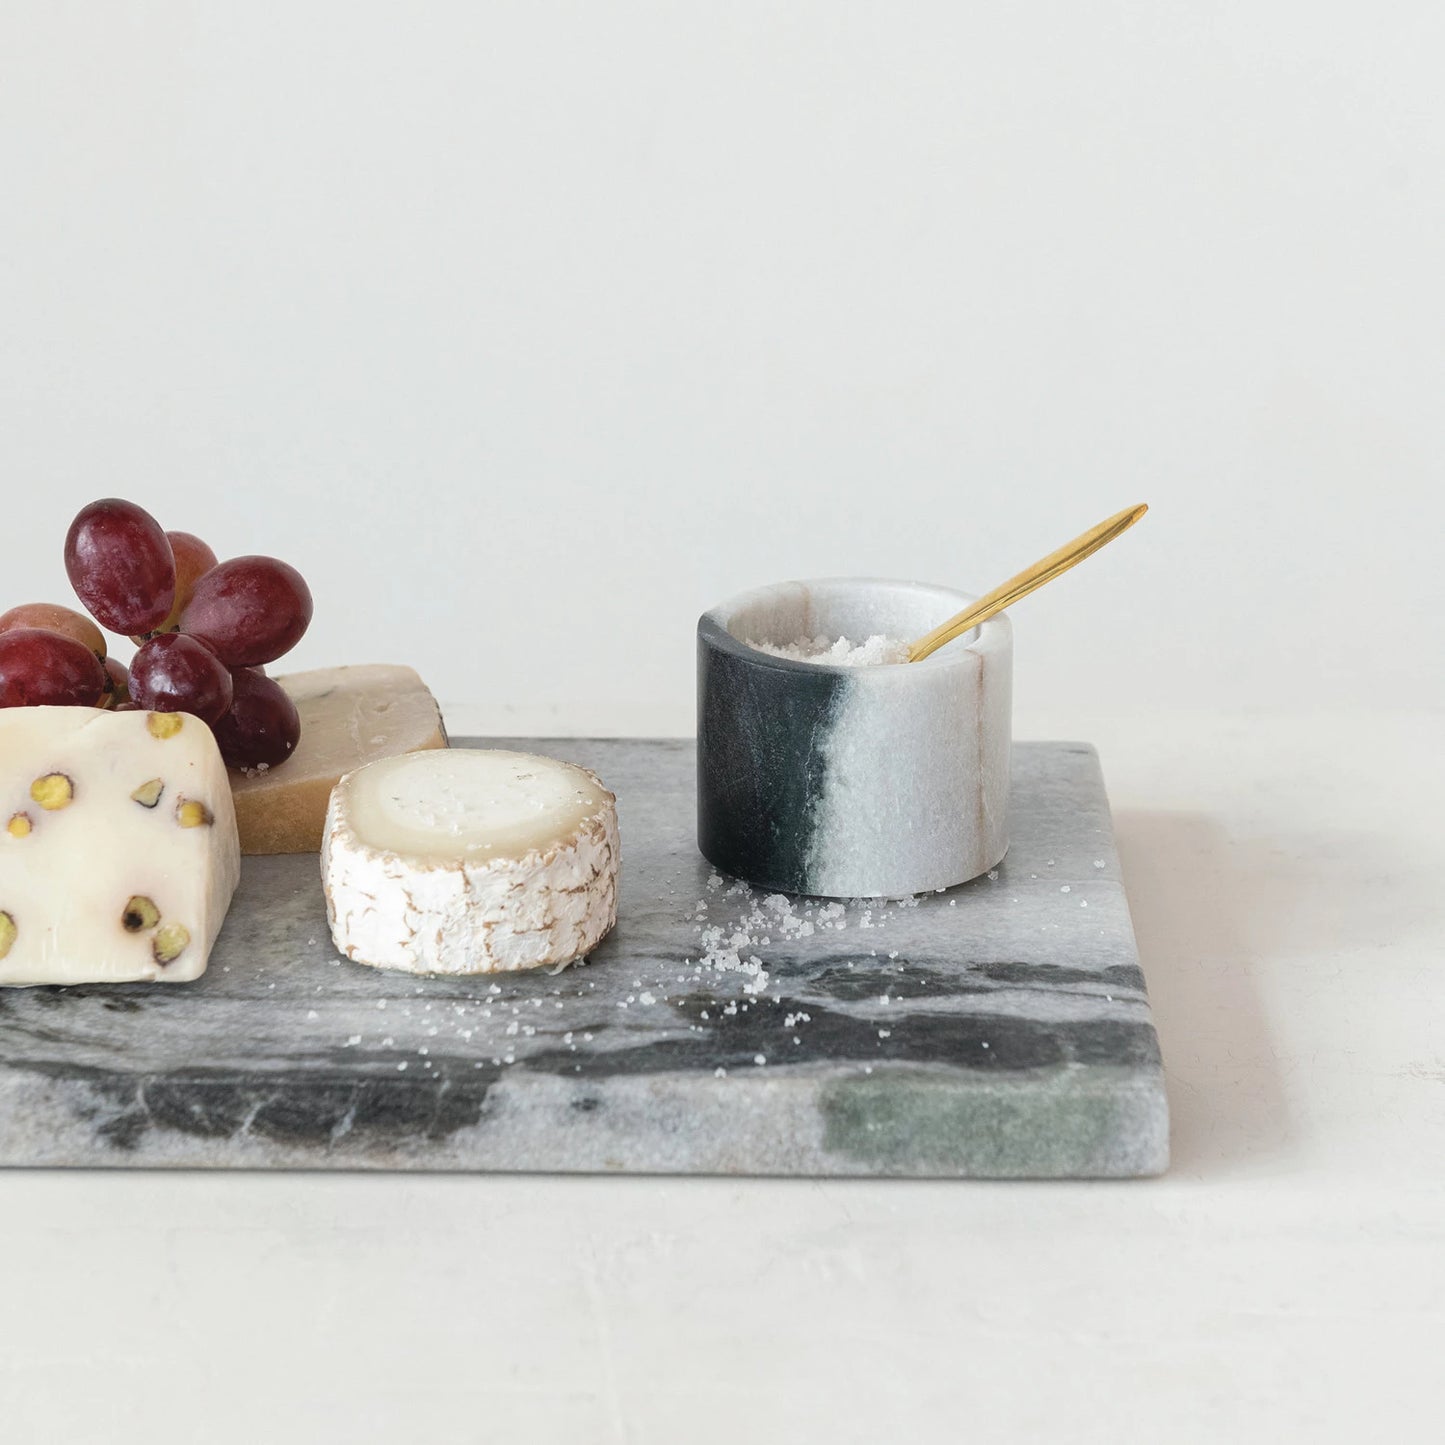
[1283, 1282]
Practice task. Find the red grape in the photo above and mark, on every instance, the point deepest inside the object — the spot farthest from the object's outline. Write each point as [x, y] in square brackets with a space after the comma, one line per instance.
[117, 683]
[249, 610]
[50, 618]
[39, 669]
[193, 560]
[262, 727]
[121, 566]
[175, 673]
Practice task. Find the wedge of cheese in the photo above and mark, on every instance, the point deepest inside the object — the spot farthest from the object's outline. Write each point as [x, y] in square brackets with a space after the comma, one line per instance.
[350, 716]
[470, 861]
[118, 846]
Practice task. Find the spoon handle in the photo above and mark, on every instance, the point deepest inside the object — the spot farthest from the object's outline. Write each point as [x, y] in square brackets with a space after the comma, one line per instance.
[1044, 570]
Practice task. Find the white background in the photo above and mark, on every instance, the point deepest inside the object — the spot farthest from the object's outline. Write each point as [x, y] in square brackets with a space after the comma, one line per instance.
[529, 330]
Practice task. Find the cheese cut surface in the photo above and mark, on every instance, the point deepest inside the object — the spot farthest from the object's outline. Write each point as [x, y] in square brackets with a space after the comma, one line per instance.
[350, 716]
[118, 846]
[470, 861]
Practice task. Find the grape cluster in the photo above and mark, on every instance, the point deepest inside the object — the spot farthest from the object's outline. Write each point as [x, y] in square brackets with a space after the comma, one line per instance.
[204, 631]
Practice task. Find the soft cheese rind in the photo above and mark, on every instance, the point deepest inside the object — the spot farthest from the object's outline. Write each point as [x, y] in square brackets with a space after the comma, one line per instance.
[118, 846]
[350, 716]
[417, 880]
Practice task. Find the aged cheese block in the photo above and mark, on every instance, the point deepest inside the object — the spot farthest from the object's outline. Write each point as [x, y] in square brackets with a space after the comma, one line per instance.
[350, 716]
[118, 846]
[470, 861]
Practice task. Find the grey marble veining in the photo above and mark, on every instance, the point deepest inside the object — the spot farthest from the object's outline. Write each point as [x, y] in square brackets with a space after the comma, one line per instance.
[998, 1030]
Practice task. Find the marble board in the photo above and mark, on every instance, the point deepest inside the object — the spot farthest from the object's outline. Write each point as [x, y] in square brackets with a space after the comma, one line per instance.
[999, 1030]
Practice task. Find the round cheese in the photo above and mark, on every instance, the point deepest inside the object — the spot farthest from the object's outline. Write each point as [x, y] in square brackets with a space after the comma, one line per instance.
[469, 861]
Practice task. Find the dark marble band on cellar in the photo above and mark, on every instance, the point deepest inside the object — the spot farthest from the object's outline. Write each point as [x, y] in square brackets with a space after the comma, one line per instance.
[760, 762]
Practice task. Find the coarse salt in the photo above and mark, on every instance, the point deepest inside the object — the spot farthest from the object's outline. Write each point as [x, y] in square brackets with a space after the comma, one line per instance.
[839, 651]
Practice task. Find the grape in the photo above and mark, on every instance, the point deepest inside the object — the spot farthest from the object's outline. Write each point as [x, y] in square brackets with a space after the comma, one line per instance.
[50, 618]
[249, 610]
[262, 727]
[175, 673]
[193, 560]
[121, 567]
[117, 683]
[39, 669]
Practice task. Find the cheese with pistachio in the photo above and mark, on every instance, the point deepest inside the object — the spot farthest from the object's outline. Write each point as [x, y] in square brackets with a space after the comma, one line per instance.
[470, 861]
[350, 716]
[118, 846]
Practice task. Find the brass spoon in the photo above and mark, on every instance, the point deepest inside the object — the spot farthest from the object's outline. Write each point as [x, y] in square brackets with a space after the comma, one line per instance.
[1031, 578]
